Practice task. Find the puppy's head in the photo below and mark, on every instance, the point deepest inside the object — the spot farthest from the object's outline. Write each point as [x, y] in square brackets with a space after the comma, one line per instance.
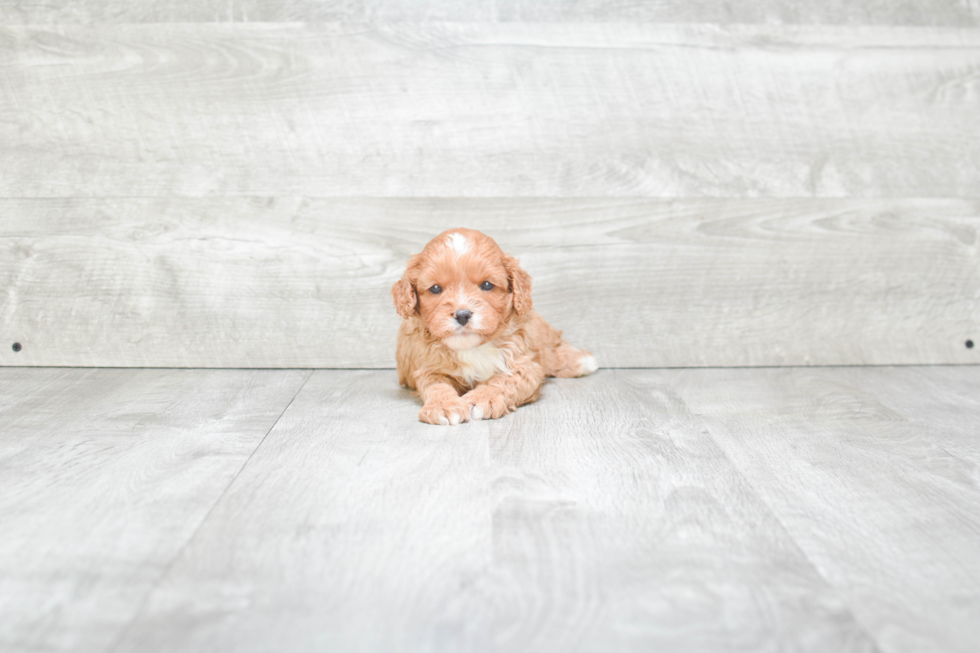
[463, 287]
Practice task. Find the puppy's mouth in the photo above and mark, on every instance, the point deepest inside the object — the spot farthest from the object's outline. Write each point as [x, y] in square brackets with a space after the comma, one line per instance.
[463, 339]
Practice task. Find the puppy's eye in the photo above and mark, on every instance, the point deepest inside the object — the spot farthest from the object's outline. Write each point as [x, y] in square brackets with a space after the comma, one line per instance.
[486, 285]
[436, 289]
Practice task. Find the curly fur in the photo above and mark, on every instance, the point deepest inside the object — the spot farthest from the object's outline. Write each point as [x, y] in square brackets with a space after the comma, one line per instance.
[499, 358]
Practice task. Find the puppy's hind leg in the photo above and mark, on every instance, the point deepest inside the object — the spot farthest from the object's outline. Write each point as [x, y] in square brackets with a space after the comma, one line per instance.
[565, 361]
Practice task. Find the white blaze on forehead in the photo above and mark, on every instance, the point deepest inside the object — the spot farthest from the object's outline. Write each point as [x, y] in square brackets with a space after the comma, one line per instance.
[458, 243]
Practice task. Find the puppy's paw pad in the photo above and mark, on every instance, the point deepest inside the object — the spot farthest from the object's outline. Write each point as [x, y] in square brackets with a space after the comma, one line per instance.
[587, 365]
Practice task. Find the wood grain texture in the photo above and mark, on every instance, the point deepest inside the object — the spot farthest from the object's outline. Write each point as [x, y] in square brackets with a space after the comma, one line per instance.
[941, 401]
[304, 282]
[105, 475]
[449, 109]
[670, 510]
[879, 12]
[619, 525]
[876, 501]
[354, 527]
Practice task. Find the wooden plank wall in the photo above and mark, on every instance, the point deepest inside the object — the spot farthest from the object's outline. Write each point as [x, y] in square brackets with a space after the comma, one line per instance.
[834, 12]
[690, 184]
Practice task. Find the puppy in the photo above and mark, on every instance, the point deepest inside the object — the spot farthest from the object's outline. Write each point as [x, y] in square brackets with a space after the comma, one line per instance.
[470, 342]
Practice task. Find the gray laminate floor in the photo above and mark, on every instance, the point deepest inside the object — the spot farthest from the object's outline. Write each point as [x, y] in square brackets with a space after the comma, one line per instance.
[820, 509]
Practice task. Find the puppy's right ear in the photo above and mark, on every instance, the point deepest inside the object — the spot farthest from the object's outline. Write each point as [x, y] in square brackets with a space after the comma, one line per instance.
[403, 292]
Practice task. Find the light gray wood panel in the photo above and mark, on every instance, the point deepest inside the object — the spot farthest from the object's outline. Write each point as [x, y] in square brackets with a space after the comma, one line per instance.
[104, 477]
[943, 401]
[619, 525]
[897, 12]
[354, 527]
[888, 517]
[304, 282]
[761, 509]
[619, 109]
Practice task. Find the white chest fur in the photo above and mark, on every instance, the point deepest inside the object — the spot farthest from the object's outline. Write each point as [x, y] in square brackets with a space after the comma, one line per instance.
[480, 363]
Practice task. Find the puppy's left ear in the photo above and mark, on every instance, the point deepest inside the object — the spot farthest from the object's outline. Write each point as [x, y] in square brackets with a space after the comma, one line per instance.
[520, 285]
[403, 292]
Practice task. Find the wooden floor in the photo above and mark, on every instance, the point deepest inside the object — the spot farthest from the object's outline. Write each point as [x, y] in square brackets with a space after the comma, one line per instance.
[818, 509]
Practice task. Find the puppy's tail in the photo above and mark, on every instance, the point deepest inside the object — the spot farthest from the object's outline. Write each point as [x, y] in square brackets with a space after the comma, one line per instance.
[566, 361]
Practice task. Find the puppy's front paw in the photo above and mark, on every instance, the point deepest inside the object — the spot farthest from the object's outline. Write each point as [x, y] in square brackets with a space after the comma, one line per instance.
[445, 412]
[485, 405]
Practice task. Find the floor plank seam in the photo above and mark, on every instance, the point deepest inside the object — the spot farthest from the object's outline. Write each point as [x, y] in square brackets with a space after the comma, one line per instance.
[180, 552]
[805, 556]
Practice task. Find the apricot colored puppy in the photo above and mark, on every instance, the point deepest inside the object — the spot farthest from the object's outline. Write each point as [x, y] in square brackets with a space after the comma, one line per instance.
[470, 342]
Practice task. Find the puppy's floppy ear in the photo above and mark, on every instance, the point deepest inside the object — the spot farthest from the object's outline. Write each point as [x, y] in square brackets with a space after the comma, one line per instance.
[403, 292]
[520, 285]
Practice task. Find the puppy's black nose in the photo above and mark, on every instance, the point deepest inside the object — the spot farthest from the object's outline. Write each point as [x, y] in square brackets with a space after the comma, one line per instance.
[463, 316]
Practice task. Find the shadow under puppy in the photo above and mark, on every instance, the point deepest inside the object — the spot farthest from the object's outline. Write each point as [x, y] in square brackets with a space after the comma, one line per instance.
[470, 342]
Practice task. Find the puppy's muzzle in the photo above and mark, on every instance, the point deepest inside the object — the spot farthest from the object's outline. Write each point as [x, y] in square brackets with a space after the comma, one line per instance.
[463, 316]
